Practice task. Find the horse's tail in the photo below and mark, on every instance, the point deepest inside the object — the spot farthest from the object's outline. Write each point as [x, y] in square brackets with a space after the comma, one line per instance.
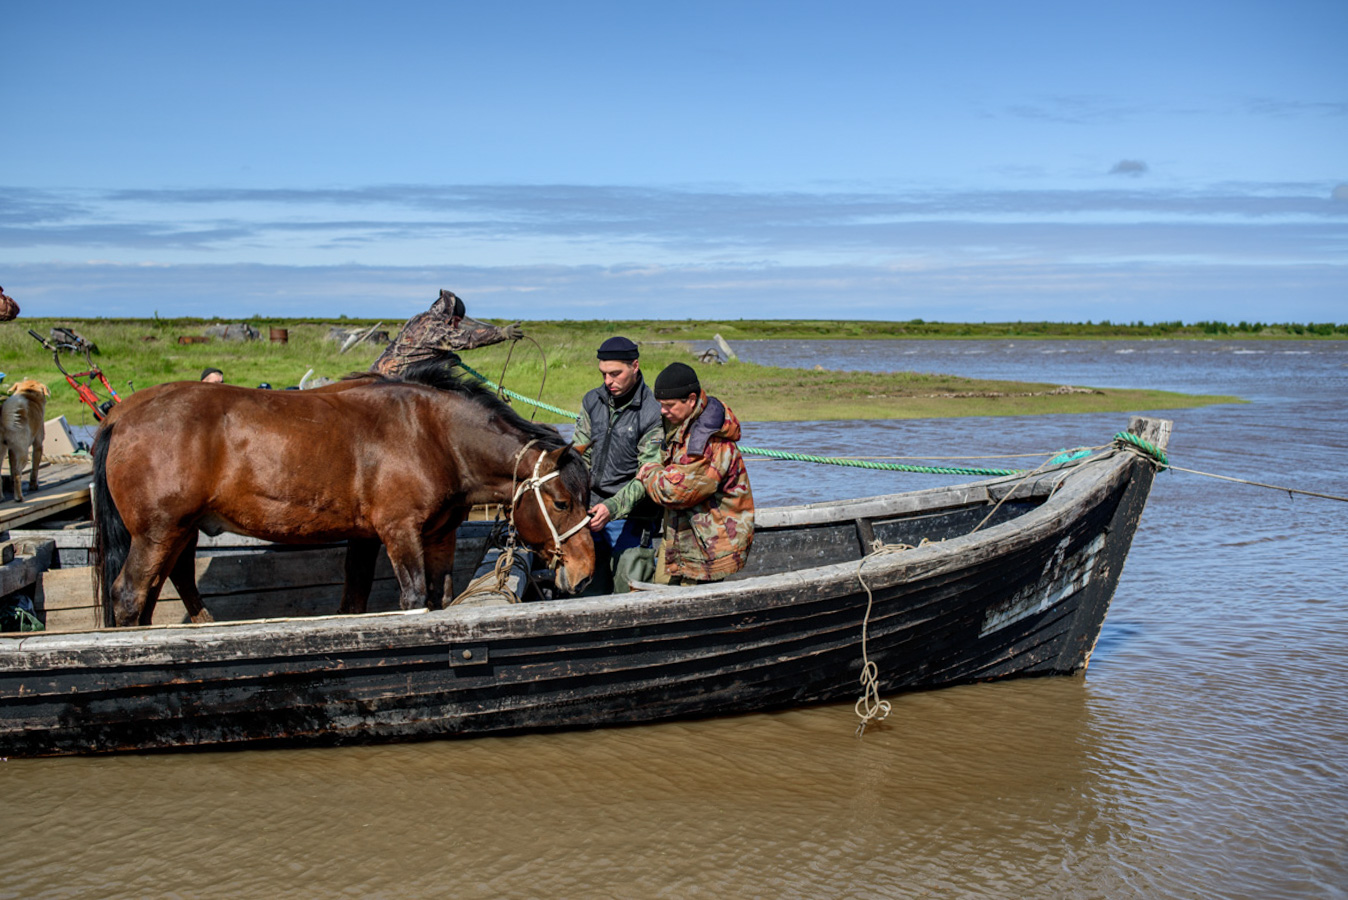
[112, 541]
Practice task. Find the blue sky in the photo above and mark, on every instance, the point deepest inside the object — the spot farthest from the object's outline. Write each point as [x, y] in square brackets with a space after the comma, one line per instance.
[956, 162]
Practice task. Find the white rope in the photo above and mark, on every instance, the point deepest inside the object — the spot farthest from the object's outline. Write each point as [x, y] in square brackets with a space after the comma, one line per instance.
[492, 582]
[869, 707]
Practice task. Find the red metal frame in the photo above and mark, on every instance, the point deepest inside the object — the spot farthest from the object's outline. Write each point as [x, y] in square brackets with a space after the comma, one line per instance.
[86, 393]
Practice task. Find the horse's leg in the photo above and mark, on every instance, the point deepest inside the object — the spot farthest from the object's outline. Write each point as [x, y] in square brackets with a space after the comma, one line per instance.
[406, 554]
[440, 569]
[361, 554]
[184, 578]
[137, 587]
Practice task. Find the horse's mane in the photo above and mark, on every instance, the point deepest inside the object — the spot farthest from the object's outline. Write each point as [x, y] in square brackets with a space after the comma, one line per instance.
[439, 374]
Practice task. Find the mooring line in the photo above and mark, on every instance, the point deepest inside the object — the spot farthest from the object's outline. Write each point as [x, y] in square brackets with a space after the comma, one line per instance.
[873, 463]
[1274, 487]
[854, 462]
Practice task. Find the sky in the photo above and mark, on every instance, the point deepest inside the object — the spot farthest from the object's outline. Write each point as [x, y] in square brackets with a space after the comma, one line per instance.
[959, 161]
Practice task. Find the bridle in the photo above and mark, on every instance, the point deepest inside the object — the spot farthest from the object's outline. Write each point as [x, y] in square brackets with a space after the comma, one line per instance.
[535, 482]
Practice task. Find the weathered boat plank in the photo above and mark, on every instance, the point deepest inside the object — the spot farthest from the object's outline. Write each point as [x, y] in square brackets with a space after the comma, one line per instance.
[26, 567]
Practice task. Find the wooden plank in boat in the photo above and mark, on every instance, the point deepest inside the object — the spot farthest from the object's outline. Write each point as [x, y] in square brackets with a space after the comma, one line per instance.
[26, 567]
[291, 582]
[54, 472]
[82, 537]
[45, 502]
[301, 602]
[67, 602]
[239, 574]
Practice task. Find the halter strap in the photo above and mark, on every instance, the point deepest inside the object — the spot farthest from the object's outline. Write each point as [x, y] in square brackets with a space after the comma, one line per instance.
[535, 482]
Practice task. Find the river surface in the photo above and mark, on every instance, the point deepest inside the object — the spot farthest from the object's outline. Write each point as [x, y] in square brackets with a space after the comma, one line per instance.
[1205, 754]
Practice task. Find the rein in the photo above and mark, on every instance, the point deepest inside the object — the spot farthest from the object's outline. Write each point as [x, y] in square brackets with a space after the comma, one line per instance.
[535, 482]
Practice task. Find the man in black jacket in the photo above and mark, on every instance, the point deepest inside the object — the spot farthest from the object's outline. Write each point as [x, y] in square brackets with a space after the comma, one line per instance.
[620, 430]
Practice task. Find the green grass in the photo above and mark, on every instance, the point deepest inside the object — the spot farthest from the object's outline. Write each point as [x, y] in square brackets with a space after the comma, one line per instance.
[146, 352]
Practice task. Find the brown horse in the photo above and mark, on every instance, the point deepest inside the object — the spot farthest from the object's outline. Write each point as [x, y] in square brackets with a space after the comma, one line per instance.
[370, 460]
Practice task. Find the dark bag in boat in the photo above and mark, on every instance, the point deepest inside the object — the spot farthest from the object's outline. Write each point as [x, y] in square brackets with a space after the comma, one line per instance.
[637, 564]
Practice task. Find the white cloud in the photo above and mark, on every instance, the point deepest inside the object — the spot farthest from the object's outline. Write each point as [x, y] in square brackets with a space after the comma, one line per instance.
[976, 290]
[560, 251]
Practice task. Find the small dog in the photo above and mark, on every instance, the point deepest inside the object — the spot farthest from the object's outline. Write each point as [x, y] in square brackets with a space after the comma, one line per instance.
[22, 427]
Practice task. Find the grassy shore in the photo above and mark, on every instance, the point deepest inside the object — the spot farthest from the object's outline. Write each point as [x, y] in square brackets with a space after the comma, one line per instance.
[146, 352]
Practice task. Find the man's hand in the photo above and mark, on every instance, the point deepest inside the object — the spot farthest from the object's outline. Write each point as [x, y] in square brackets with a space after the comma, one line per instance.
[514, 332]
[599, 516]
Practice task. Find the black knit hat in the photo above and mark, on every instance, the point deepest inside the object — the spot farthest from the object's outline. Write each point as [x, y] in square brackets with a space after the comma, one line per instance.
[676, 382]
[453, 305]
[618, 348]
[210, 370]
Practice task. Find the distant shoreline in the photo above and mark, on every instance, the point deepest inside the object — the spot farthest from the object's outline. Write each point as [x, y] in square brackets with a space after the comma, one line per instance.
[807, 329]
[557, 359]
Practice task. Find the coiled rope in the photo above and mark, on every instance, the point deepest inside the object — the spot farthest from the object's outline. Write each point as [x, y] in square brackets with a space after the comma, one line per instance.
[869, 707]
[1126, 440]
[492, 583]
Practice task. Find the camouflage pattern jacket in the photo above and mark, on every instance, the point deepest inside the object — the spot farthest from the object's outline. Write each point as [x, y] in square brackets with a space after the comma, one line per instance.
[704, 487]
[431, 334]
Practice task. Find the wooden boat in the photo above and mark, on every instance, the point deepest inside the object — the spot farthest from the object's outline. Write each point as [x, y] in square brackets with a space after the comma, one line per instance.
[1006, 577]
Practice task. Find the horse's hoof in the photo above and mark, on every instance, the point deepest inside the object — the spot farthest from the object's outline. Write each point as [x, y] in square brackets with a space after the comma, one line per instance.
[202, 617]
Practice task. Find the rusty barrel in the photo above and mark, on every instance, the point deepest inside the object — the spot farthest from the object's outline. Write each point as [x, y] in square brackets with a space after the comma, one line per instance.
[280, 335]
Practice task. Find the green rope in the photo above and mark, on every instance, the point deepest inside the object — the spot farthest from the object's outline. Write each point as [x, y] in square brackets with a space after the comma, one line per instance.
[514, 396]
[1067, 456]
[869, 464]
[1126, 439]
[1063, 457]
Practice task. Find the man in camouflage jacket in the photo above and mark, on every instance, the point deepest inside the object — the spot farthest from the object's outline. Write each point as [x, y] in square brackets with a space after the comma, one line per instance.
[701, 482]
[436, 333]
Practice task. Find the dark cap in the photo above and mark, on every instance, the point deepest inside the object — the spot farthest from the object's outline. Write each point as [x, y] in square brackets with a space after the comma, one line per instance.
[209, 370]
[676, 382]
[619, 348]
[452, 305]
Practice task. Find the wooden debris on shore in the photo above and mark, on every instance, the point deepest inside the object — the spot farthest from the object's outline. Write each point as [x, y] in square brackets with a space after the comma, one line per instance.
[350, 337]
[234, 331]
[718, 353]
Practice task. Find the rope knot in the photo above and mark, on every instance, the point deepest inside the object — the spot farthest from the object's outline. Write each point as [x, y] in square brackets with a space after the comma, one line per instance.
[1126, 440]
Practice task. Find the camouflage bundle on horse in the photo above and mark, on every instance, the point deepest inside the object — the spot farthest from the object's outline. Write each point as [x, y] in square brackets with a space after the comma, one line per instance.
[9, 309]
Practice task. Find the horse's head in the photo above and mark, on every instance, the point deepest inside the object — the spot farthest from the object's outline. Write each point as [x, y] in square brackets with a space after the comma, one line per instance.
[549, 514]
